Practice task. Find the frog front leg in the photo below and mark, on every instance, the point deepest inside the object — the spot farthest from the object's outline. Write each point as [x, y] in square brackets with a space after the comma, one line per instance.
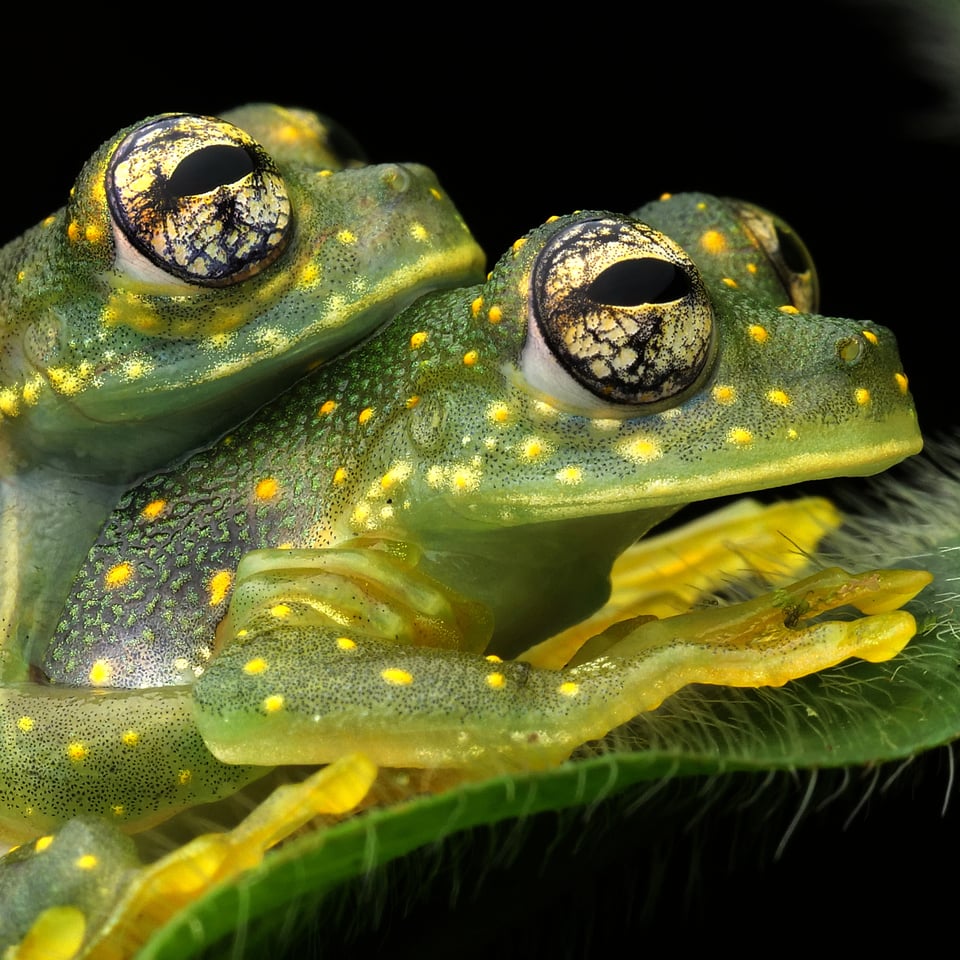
[303, 679]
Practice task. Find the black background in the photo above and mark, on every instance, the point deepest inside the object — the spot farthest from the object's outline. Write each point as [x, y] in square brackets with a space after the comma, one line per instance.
[839, 116]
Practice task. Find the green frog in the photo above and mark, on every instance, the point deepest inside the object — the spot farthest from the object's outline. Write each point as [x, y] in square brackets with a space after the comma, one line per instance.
[380, 561]
[201, 266]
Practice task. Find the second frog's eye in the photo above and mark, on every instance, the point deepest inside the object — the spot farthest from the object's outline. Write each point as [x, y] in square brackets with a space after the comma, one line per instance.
[786, 252]
[198, 198]
[619, 319]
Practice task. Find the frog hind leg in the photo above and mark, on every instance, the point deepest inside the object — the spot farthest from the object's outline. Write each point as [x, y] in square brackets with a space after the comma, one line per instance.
[299, 685]
[93, 864]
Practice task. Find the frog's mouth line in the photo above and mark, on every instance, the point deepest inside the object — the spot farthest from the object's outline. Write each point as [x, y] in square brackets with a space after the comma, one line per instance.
[863, 458]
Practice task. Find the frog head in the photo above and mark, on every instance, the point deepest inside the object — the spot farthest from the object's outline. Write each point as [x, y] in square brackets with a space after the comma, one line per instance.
[605, 375]
[197, 270]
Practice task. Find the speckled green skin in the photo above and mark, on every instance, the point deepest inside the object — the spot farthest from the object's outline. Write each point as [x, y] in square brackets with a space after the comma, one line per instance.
[106, 377]
[447, 496]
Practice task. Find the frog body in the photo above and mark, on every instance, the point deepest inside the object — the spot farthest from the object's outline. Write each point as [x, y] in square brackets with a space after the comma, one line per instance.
[406, 505]
[194, 274]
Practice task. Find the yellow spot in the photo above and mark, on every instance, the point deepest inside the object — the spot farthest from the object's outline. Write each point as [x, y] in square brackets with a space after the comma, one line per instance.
[345, 643]
[273, 703]
[117, 810]
[360, 515]
[476, 306]
[73, 231]
[87, 862]
[281, 611]
[724, 393]
[153, 509]
[92, 233]
[640, 449]
[701, 206]
[184, 777]
[729, 282]
[325, 173]
[871, 336]
[568, 689]
[471, 357]
[534, 447]
[518, 244]
[396, 676]
[418, 339]
[569, 475]
[340, 474]
[493, 658]
[130, 738]
[219, 587]
[494, 314]
[757, 333]
[9, 402]
[713, 241]
[666, 196]
[464, 479]
[366, 414]
[77, 752]
[792, 434]
[411, 402]
[42, 843]
[788, 308]
[498, 413]
[419, 232]
[25, 724]
[100, 672]
[495, 680]
[309, 274]
[751, 268]
[327, 407]
[118, 575]
[256, 666]
[862, 396]
[436, 193]
[21, 276]
[266, 489]
[740, 436]
[31, 390]
[346, 236]
[901, 381]
[778, 397]
[396, 474]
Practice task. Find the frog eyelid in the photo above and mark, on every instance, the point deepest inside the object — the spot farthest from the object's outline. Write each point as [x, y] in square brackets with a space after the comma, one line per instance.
[195, 201]
[619, 323]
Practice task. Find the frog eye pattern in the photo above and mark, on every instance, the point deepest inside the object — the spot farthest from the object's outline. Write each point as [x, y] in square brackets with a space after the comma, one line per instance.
[198, 198]
[785, 251]
[623, 310]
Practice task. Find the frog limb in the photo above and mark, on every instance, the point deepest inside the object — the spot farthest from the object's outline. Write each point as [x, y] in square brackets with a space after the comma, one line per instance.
[94, 866]
[60, 749]
[667, 574]
[296, 693]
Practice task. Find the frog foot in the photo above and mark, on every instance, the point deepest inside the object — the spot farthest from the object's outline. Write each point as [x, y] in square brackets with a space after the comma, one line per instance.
[150, 896]
[297, 687]
[667, 574]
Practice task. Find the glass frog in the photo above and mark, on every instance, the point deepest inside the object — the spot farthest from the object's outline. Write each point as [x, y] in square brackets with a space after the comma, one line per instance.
[362, 565]
[201, 266]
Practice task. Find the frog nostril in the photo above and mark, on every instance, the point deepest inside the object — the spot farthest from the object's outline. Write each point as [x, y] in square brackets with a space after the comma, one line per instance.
[396, 177]
[850, 350]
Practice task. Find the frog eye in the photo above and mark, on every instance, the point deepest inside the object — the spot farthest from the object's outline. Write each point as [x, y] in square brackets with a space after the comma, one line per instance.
[785, 251]
[619, 318]
[197, 198]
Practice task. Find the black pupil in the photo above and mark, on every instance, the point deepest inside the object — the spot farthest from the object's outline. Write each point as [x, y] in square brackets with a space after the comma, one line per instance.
[791, 252]
[632, 282]
[208, 168]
